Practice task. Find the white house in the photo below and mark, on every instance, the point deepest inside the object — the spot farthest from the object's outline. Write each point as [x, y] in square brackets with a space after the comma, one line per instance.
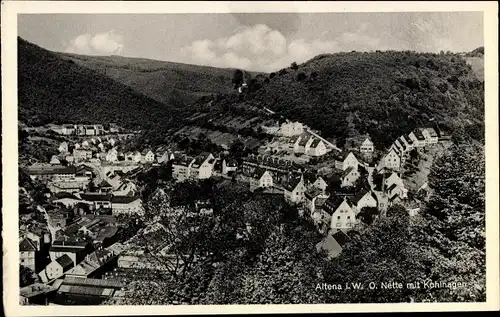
[55, 160]
[430, 135]
[349, 177]
[367, 146]
[320, 183]
[343, 215]
[149, 156]
[418, 138]
[365, 198]
[85, 143]
[261, 178]
[56, 268]
[63, 147]
[77, 145]
[126, 205]
[289, 128]
[135, 157]
[181, 168]
[202, 166]
[317, 148]
[393, 179]
[344, 161]
[294, 189]
[112, 142]
[165, 157]
[101, 146]
[311, 197]
[392, 160]
[229, 165]
[112, 155]
[394, 186]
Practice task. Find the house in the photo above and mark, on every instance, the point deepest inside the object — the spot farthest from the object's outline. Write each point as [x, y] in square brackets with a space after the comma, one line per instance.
[430, 135]
[94, 263]
[365, 198]
[317, 148]
[55, 160]
[101, 147]
[320, 183]
[69, 186]
[261, 178]
[27, 250]
[85, 144]
[135, 157]
[66, 199]
[148, 156]
[345, 160]
[311, 196]
[202, 166]
[394, 186]
[229, 165]
[393, 178]
[63, 147]
[392, 160]
[112, 155]
[56, 268]
[70, 159]
[343, 215]
[55, 173]
[367, 146]
[294, 189]
[181, 168]
[80, 154]
[35, 294]
[349, 176]
[76, 249]
[39, 236]
[418, 138]
[77, 146]
[165, 157]
[112, 142]
[302, 144]
[92, 289]
[97, 200]
[68, 129]
[126, 205]
[407, 142]
[105, 186]
[289, 129]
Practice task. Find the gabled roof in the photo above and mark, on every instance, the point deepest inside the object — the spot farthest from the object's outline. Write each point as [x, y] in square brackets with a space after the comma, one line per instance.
[27, 245]
[65, 262]
[407, 139]
[333, 202]
[230, 162]
[356, 198]
[341, 237]
[258, 173]
[104, 184]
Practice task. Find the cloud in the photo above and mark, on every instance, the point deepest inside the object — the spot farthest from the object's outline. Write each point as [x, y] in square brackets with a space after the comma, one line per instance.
[262, 48]
[106, 43]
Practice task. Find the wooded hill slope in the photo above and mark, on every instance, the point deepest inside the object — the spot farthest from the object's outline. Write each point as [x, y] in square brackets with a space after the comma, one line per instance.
[56, 90]
[385, 94]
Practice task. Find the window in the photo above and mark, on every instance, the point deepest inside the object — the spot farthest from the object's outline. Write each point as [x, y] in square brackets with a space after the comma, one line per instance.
[339, 224]
[338, 217]
[348, 217]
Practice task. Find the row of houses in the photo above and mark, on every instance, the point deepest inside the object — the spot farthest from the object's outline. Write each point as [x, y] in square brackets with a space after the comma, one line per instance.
[287, 128]
[81, 129]
[419, 138]
[115, 204]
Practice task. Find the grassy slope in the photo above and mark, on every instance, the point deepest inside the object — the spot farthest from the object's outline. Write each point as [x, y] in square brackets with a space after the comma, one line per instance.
[167, 82]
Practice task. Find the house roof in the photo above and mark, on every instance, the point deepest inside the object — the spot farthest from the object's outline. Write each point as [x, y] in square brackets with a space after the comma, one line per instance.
[418, 134]
[333, 202]
[258, 173]
[356, 198]
[182, 160]
[27, 245]
[313, 192]
[124, 199]
[96, 197]
[320, 202]
[392, 187]
[106, 232]
[432, 132]
[315, 143]
[408, 139]
[51, 170]
[292, 182]
[104, 184]
[303, 141]
[65, 261]
[341, 237]
[62, 195]
[230, 162]
[112, 283]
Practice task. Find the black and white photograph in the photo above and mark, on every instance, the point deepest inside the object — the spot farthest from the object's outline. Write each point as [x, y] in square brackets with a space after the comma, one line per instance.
[182, 158]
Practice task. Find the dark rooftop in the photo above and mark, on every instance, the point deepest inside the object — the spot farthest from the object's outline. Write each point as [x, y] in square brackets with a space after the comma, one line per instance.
[65, 261]
[27, 245]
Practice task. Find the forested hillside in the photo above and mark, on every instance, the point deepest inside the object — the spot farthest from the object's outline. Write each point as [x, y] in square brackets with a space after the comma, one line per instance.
[54, 90]
[384, 94]
[166, 82]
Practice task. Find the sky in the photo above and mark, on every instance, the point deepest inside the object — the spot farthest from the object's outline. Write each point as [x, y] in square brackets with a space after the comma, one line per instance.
[252, 41]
